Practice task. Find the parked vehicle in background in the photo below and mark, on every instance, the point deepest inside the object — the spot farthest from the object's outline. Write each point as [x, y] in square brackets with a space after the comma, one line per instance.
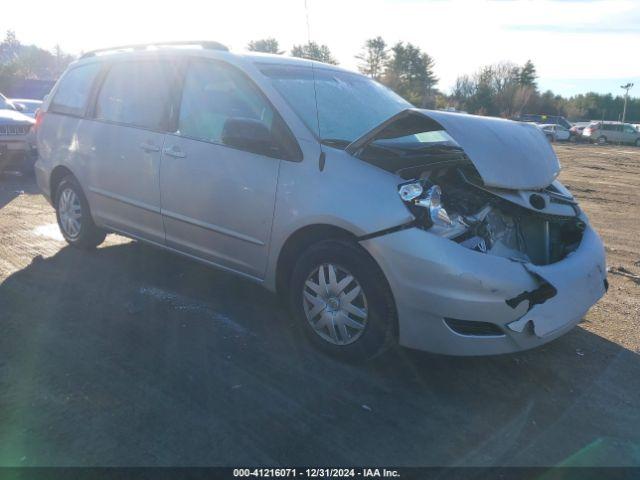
[545, 119]
[555, 132]
[375, 221]
[603, 132]
[26, 106]
[576, 131]
[17, 142]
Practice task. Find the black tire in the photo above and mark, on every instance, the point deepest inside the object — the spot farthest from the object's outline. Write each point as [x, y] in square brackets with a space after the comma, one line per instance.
[638, 142]
[380, 327]
[89, 235]
[602, 140]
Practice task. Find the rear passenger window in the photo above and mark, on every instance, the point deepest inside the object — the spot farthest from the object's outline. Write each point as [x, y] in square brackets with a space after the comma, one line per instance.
[136, 94]
[74, 89]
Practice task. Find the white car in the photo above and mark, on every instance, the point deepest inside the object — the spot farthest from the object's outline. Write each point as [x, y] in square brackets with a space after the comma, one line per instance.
[555, 132]
[27, 106]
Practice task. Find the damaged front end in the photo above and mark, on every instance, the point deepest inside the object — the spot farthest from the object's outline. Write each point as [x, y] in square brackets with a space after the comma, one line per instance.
[467, 180]
[538, 227]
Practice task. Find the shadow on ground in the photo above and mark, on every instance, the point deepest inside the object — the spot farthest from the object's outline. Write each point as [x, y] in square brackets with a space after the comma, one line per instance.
[14, 184]
[132, 356]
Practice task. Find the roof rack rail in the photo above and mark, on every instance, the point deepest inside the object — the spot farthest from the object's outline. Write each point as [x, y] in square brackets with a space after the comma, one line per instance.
[206, 44]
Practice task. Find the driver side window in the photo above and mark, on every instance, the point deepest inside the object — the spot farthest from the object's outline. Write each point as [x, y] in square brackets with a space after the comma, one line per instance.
[213, 94]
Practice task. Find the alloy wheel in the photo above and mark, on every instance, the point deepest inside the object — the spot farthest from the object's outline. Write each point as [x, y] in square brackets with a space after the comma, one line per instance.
[335, 304]
[70, 213]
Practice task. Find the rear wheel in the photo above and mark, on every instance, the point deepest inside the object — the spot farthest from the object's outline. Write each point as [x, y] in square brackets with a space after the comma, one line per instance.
[74, 216]
[638, 142]
[342, 301]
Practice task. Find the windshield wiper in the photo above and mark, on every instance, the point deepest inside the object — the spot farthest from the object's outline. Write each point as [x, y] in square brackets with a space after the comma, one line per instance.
[336, 142]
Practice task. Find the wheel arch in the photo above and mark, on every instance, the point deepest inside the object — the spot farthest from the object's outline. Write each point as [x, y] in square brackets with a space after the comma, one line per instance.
[57, 174]
[309, 235]
[299, 241]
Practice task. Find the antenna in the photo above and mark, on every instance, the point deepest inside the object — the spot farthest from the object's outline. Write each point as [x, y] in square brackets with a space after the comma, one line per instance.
[322, 158]
[306, 13]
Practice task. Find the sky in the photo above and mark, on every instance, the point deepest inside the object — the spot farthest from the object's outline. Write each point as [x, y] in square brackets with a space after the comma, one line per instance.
[576, 45]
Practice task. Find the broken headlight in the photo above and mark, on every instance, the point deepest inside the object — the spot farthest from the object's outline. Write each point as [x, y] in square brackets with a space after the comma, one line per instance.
[425, 202]
[432, 200]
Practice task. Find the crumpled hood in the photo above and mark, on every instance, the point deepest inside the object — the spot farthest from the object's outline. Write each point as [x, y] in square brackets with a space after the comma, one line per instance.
[507, 154]
[12, 117]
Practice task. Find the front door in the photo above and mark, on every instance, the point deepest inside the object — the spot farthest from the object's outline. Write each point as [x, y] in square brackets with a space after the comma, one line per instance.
[218, 200]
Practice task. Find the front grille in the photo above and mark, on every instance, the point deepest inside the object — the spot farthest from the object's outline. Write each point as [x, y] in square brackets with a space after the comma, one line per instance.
[14, 129]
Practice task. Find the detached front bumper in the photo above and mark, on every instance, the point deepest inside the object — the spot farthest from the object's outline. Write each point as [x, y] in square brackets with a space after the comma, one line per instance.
[437, 283]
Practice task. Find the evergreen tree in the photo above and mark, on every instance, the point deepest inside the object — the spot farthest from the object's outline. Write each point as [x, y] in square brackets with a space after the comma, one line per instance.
[314, 51]
[265, 45]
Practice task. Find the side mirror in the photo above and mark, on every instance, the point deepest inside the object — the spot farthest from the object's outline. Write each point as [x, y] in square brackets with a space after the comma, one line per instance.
[19, 107]
[249, 134]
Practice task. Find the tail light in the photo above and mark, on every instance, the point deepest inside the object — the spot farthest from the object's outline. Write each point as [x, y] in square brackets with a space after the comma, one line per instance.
[39, 116]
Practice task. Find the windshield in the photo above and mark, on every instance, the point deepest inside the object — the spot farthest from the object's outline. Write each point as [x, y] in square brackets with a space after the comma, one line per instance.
[349, 105]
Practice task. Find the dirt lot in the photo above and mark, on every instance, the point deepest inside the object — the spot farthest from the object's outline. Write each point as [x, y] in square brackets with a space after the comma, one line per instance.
[132, 356]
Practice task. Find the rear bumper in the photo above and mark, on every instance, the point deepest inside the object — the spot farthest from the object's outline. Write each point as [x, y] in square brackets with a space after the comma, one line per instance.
[433, 279]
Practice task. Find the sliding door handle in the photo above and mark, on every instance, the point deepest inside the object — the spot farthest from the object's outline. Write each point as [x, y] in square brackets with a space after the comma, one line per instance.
[174, 152]
[149, 147]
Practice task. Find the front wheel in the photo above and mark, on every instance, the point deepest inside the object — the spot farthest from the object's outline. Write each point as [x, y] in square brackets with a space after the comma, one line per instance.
[74, 216]
[341, 299]
[602, 140]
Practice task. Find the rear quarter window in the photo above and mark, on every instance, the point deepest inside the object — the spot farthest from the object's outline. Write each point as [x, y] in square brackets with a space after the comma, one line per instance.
[73, 92]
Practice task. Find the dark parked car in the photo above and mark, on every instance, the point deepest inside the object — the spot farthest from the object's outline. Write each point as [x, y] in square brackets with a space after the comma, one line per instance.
[17, 146]
[545, 119]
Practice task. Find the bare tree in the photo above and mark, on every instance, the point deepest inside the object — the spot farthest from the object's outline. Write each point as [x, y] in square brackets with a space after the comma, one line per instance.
[373, 57]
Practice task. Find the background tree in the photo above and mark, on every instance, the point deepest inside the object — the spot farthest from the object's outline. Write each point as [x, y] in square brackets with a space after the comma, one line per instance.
[373, 57]
[265, 45]
[527, 75]
[19, 62]
[501, 89]
[409, 72]
[314, 51]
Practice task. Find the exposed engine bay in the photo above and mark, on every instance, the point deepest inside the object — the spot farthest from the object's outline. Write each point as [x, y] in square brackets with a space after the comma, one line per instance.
[539, 227]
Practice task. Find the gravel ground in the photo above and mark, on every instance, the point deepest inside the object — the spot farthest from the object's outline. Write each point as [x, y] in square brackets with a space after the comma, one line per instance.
[133, 356]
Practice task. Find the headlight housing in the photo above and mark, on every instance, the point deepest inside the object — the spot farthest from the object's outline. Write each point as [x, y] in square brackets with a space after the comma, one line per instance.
[425, 202]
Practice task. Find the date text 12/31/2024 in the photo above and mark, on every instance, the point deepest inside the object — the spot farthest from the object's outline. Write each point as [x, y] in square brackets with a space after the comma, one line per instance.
[316, 473]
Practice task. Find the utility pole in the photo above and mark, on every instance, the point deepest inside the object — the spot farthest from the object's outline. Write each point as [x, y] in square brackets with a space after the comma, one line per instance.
[626, 89]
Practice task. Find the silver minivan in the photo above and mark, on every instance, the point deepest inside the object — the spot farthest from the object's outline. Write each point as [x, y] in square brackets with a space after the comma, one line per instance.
[603, 132]
[376, 222]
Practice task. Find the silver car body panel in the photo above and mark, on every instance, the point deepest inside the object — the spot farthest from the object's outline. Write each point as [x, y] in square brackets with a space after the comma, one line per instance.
[507, 154]
[241, 223]
[432, 279]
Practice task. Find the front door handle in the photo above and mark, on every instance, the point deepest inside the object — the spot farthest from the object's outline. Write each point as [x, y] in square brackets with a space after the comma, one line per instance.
[174, 152]
[149, 147]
